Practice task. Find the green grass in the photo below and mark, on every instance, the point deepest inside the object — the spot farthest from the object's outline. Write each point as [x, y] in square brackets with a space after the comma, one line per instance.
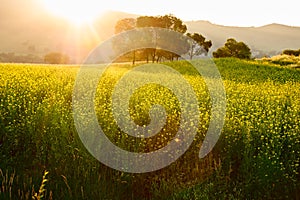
[257, 156]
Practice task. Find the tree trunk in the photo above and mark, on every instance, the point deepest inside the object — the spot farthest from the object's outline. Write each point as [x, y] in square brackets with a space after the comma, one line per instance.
[191, 53]
[153, 56]
[133, 60]
[158, 59]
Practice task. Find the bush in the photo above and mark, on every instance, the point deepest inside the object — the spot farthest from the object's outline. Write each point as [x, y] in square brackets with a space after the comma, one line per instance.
[56, 58]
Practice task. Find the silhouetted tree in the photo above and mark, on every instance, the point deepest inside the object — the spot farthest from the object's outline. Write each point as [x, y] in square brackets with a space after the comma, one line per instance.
[198, 45]
[173, 23]
[122, 25]
[149, 21]
[232, 48]
[125, 25]
[56, 58]
[167, 21]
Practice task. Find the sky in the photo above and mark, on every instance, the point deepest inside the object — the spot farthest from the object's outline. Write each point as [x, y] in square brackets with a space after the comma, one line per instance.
[228, 13]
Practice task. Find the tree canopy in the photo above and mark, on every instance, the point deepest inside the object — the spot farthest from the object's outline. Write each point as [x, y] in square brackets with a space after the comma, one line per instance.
[56, 58]
[232, 48]
[125, 25]
[291, 52]
[198, 45]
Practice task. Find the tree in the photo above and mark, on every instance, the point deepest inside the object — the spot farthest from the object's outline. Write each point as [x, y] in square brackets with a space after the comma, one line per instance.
[125, 25]
[232, 48]
[291, 52]
[157, 53]
[149, 21]
[173, 23]
[167, 21]
[198, 45]
[122, 25]
[56, 58]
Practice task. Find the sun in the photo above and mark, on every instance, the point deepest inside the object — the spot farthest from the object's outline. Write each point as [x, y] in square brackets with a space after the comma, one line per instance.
[78, 12]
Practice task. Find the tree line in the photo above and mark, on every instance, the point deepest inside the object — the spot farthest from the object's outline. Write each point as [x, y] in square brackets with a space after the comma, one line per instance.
[195, 47]
[198, 45]
[20, 58]
[291, 52]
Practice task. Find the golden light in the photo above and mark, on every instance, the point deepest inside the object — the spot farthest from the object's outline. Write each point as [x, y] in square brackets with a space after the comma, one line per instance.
[78, 12]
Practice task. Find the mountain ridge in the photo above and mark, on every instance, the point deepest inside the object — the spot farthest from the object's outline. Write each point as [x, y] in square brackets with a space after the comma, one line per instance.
[232, 26]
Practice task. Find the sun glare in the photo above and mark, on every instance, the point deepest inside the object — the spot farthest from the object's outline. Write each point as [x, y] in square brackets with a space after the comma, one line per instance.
[78, 12]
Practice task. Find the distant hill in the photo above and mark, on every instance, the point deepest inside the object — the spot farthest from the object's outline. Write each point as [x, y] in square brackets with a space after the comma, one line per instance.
[40, 33]
[269, 38]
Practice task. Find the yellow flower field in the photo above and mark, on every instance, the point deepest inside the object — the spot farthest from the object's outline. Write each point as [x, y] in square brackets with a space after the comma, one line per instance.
[256, 157]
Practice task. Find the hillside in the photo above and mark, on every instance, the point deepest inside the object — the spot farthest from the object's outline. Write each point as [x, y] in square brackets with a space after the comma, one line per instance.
[272, 37]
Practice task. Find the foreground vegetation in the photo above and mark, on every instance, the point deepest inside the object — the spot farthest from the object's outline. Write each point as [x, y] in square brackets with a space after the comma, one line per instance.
[257, 156]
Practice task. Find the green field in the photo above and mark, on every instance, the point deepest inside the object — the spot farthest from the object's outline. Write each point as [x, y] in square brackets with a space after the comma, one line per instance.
[257, 156]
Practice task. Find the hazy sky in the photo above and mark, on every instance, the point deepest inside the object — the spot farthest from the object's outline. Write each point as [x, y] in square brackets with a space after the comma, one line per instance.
[230, 12]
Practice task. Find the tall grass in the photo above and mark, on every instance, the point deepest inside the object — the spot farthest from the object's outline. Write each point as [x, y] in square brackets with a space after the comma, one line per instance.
[257, 156]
